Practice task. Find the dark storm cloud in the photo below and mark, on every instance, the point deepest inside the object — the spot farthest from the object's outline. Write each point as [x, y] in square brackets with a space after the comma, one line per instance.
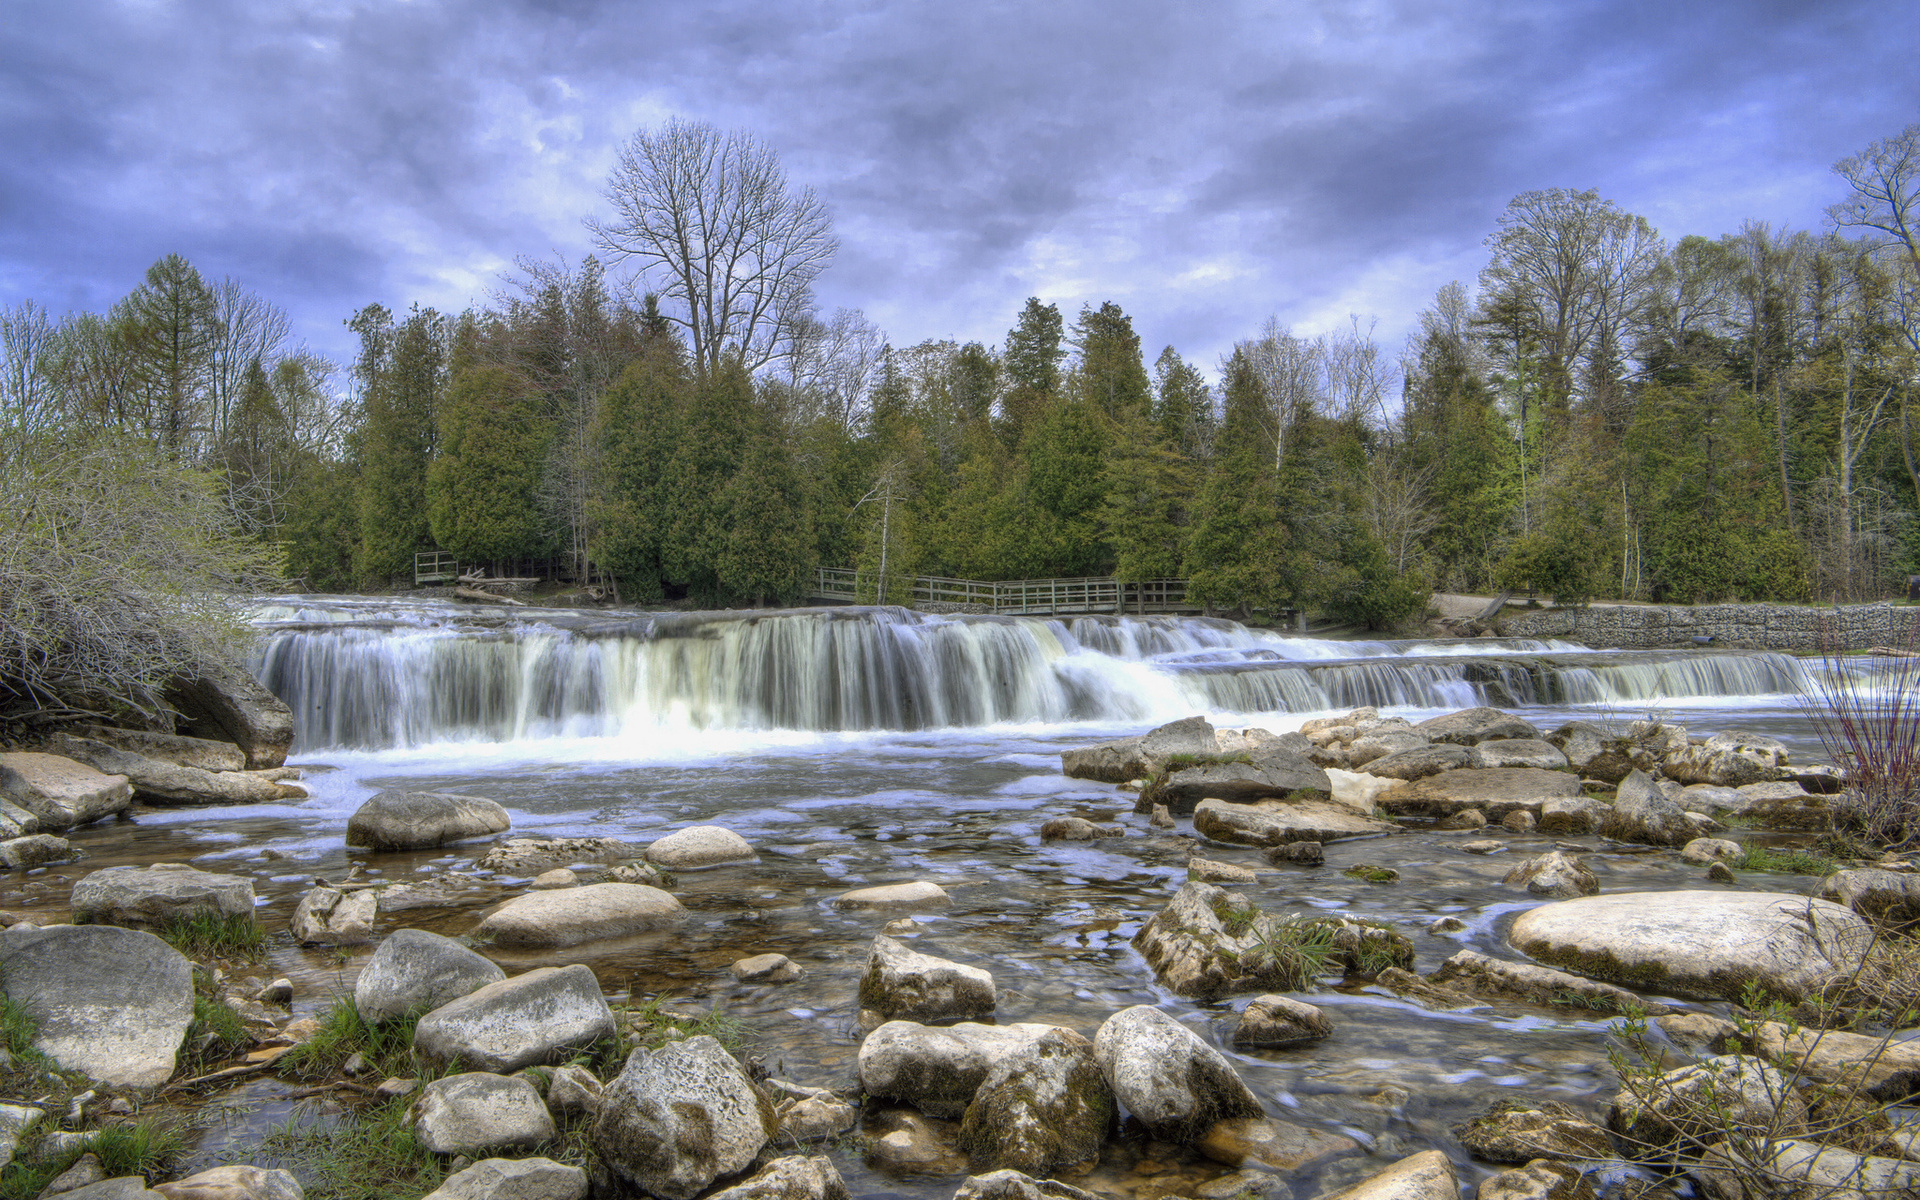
[1205, 165]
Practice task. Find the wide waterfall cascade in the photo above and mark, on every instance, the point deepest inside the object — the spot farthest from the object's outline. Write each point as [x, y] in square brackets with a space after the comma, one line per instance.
[377, 674]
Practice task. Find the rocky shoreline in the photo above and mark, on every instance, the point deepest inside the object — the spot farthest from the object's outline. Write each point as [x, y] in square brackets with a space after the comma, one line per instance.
[505, 1062]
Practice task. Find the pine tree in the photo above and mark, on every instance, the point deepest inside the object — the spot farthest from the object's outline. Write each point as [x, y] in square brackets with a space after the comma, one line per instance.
[1108, 376]
[1064, 451]
[1237, 552]
[767, 554]
[1142, 516]
[481, 488]
[633, 439]
[402, 372]
[707, 452]
[1032, 361]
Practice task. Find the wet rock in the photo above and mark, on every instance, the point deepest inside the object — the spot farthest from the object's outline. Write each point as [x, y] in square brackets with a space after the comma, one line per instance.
[1805, 1169]
[767, 968]
[526, 856]
[1171, 1081]
[559, 877]
[938, 1070]
[1497, 792]
[914, 1144]
[1555, 874]
[33, 850]
[1518, 752]
[1466, 820]
[1275, 1020]
[700, 846]
[1643, 813]
[1269, 1145]
[1519, 821]
[1277, 822]
[1579, 741]
[1012, 1185]
[468, 1113]
[58, 793]
[1160, 818]
[1140, 757]
[417, 971]
[326, 917]
[1484, 846]
[1207, 943]
[514, 1179]
[1722, 766]
[811, 1114]
[110, 1003]
[203, 753]
[397, 820]
[127, 1187]
[545, 1015]
[1078, 829]
[1480, 975]
[919, 896]
[573, 1090]
[796, 1177]
[1379, 743]
[906, 985]
[1890, 898]
[675, 1120]
[1472, 726]
[165, 784]
[1695, 1105]
[153, 896]
[1219, 872]
[1785, 805]
[1542, 1180]
[1275, 776]
[572, 916]
[1886, 1071]
[1702, 851]
[1570, 816]
[1305, 854]
[1047, 1108]
[1721, 873]
[227, 704]
[1421, 762]
[1512, 1133]
[1424, 1176]
[241, 1182]
[1698, 945]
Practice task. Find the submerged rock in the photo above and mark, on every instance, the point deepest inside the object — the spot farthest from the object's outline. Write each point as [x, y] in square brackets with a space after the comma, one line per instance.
[572, 916]
[1425, 1176]
[700, 846]
[1277, 822]
[1514, 1133]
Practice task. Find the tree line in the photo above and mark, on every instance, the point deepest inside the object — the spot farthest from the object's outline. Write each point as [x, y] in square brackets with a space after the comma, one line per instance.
[1601, 412]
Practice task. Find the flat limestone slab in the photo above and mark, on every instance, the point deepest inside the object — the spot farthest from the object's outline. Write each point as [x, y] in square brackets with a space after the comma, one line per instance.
[549, 920]
[1697, 945]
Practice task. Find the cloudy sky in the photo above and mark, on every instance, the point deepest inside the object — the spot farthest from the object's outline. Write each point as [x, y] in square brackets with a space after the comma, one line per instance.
[1206, 165]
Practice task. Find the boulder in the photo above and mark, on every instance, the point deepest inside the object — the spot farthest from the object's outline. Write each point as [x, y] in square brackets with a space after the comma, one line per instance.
[15, 821]
[1721, 764]
[1698, 945]
[1496, 791]
[396, 820]
[110, 1003]
[1885, 1070]
[464, 1114]
[571, 916]
[559, 877]
[1219, 872]
[1890, 898]
[1701, 852]
[1275, 1020]
[1365, 794]
[514, 1179]
[767, 968]
[543, 1016]
[573, 1090]
[1421, 762]
[675, 1120]
[126, 1187]
[327, 917]
[1012, 1185]
[1512, 1133]
[58, 792]
[1172, 1082]
[1542, 1179]
[906, 985]
[33, 850]
[1785, 805]
[1277, 822]
[1800, 1168]
[1471, 726]
[1571, 816]
[700, 846]
[1208, 943]
[1556, 874]
[1275, 776]
[527, 856]
[1643, 813]
[1518, 752]
[919, 896]
[156, 895]
[1475, 974]
[1044, 1109]
[1381, 742]
[796, 1177]
[810, 1114]
[414, 971]
[1140, 757]
[165, 784]
[228, 705]
[1424, 1176]
[1579, 741]
[1693, 1106]
[240, 1182]
[938, 1070]
[1264, 1144]
[172, 748]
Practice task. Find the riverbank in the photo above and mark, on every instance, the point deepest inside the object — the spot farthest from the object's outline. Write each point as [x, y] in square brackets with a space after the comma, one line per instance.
[1783, 628]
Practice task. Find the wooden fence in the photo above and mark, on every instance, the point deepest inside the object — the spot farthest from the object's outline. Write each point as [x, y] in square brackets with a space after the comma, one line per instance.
[1014, 597]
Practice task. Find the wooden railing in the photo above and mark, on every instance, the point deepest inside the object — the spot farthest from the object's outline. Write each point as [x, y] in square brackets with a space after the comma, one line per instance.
[434, 566]
[1014, 597]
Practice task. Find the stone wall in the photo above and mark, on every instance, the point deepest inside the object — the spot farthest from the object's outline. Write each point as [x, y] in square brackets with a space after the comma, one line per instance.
[1735, 626]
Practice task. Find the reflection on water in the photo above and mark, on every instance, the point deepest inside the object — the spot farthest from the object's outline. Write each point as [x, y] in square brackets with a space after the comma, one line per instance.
[831, 809]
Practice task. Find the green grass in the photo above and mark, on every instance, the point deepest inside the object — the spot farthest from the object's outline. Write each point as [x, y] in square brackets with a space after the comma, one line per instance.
[215, 1034]
[146, 1148]
[1755, 857]
[371, 1154]
[387, 1046]
[17, 1029]
[204, 935]
[651, 1027]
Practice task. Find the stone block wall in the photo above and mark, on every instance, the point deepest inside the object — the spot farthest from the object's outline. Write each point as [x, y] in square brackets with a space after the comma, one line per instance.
[1732, 626]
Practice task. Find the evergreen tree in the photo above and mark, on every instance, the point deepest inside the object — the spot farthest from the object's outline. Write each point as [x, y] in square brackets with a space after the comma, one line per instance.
[1065, 450]
[1142, 517]
[1237, 553]
[402, 371]
[767, 554]
[707, 453]
[1032, 361]
[633, 438]
[1108, 376]
[1182, 406]
[481, 501]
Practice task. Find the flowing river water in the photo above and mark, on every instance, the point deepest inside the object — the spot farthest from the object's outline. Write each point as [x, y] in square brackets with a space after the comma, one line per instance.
[857, 747]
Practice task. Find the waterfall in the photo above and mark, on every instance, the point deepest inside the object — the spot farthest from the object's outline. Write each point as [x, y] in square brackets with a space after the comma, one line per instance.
[377, 674]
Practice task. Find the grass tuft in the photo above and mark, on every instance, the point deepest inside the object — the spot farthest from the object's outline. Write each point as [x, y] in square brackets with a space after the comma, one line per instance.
[370, 1154]
[1755, 857]
[387, 1046]
[204, 935]
[1869, 720]
[215, 1034]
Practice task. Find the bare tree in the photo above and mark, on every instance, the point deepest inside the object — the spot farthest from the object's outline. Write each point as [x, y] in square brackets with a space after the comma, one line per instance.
[712, 215]
[830, 367]
[1288, 368]
[28, 401]
[1357, 378]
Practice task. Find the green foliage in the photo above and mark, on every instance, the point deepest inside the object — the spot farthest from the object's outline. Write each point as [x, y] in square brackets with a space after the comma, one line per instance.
[706, 454]
[1366, 590]
[1238, 553]
[1143, 513]
[633, 434]
[1065, 449]
[1032, 361]
[402, 372]
[371, 1155]
[1108, 376]
[650, 1026]
[205, 935]
[215, 1034]
[767, 557]
[387, 1045]
[481, 496]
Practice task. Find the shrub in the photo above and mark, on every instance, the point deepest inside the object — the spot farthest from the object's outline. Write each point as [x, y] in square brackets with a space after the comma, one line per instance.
[1869, 720]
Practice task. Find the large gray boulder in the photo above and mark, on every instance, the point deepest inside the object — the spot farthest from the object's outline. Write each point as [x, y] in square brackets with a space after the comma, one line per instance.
[396, 820]
[514, 1179]
[1495, 791]
[903, 984]
[153, 896]
[108, 1002]
[1277, 775]
[675, 1120]
[1169, 1079]
[1471, 726]
[1805, 1170]
[938, 1069]
[59, 792]
[1278, 822]
[1536, 753]
[328, 917]
[1643, 813]
[226, 704]
[478, 1111]
[236, 1182]
[417, 971]
[543, 1016]
[1420, 762]
[1044, 1109]
[572, 916]
[1140, 757]
[32, 850]
[795, 1177]
[1889, 898]
[170, 747]
[165, 784]
[1698, 945]
[699, 846]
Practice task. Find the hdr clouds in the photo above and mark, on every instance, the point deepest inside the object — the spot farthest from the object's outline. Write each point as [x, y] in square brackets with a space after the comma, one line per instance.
[1205, 165]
